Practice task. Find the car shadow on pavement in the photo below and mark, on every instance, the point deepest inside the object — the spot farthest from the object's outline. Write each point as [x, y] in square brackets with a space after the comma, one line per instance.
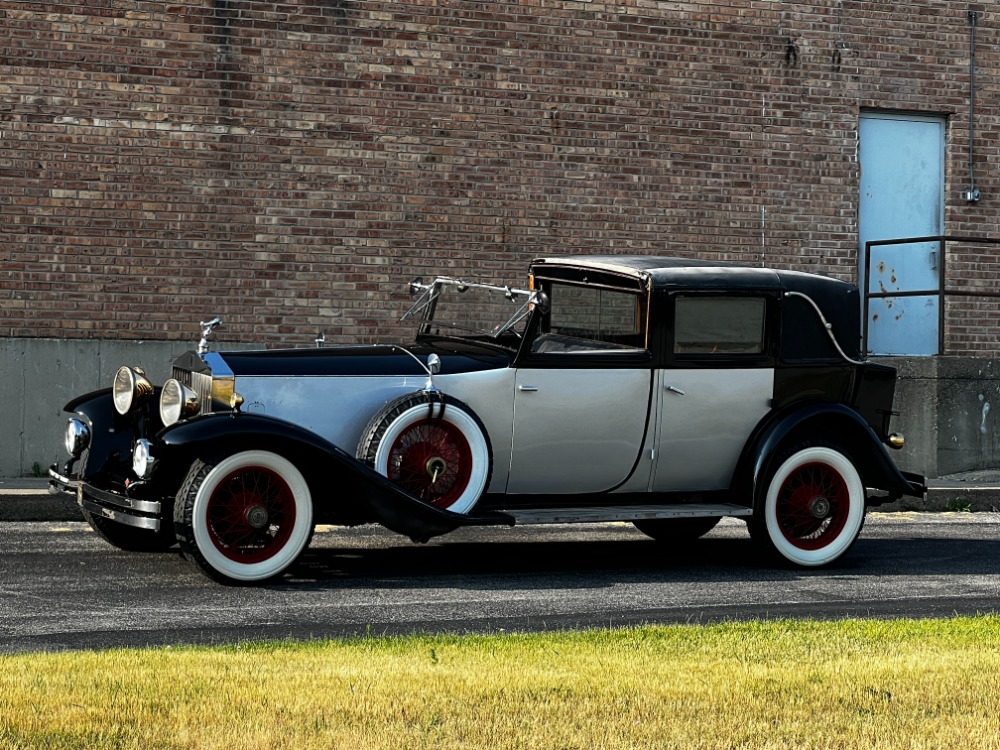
[586, 564]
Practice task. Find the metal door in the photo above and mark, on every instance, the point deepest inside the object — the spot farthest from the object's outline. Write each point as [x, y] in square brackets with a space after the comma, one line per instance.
[705, 417]
[577, 430]
[902, 195]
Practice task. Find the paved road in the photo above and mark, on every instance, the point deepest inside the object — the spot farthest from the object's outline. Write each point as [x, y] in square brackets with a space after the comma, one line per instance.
[61, 587]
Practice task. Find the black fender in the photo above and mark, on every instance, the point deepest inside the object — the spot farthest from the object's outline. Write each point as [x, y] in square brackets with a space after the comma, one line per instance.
[827, 421]
[332, 473]
[108, 458]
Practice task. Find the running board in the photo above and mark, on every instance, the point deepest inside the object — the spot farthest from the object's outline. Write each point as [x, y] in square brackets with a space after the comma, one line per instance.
[624, 513]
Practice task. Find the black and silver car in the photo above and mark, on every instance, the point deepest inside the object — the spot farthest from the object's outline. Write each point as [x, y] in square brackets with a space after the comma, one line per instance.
[662, 391]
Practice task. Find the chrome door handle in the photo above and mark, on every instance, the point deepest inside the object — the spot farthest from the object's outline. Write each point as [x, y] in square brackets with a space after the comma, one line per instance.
[527, 388]
[675, 389]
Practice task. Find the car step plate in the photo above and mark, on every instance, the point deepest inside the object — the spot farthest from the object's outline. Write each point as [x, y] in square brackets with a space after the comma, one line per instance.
[624, 513]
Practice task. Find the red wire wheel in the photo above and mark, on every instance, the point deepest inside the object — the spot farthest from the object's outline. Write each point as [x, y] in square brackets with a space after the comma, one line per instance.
[432, 446]
[432, 459]
[812, 506]
[246, 517]
[251, 514]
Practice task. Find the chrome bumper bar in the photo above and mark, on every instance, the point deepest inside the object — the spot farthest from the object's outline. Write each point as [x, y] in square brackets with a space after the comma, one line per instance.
[110, 505]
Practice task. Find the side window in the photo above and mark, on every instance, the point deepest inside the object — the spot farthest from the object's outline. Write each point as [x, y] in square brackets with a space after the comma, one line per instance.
[590, 319]
[707, 325]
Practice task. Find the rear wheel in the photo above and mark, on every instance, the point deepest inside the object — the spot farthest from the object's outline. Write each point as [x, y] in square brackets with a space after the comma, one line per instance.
[433, 447]
[246, 518]
[676, 530]
[814, 507]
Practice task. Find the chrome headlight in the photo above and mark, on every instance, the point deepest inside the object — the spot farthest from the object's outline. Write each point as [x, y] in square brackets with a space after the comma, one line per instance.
[130, 389]
[77, 437]
[177, 402]
[142, 460]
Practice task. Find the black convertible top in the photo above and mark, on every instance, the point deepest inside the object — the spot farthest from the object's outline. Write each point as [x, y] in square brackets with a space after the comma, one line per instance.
[667, 272]
[837, 301]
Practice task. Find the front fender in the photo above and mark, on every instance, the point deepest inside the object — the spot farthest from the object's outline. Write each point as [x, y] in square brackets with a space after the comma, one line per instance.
[830, 422]
[108, 457]
[334, 475]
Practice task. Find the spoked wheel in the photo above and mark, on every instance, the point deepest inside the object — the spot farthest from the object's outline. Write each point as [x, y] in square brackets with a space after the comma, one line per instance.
[247, 518]
[435, 449]
[814, 507]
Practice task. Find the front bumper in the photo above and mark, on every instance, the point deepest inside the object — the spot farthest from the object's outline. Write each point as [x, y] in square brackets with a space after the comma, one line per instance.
[141, 514]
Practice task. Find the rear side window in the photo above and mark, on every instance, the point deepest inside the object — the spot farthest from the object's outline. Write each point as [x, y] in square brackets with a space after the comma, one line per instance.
[719, 325]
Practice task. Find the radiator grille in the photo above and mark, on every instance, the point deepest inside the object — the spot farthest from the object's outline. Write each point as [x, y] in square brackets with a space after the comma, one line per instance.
[200, 383]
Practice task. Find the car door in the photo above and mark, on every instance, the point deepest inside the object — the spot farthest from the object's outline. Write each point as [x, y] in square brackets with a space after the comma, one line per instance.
[582, 394]
[717, 388]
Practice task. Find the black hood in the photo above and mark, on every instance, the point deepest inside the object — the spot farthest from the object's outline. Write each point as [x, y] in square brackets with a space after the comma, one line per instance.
[456, 357]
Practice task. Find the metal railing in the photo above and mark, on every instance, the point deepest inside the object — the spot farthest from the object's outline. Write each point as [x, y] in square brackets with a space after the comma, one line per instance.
[942, 292]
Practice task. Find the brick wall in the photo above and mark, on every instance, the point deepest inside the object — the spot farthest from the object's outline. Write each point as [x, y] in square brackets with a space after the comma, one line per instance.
[288, 165]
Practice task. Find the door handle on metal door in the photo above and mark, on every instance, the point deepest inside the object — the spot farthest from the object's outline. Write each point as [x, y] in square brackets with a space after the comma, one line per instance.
[527, 388]
[675, 389]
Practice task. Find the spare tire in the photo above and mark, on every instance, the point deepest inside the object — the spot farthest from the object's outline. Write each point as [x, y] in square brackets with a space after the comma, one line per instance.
[433, 446]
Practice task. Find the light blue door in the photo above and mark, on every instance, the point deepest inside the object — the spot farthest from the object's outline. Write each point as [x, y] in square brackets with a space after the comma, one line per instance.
[902, 195]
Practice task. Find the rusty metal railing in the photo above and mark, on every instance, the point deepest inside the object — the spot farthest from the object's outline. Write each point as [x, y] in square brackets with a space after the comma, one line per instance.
[942, 292]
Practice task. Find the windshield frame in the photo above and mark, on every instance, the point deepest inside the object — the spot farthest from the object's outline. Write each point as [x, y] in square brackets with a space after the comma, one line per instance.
[430, 294]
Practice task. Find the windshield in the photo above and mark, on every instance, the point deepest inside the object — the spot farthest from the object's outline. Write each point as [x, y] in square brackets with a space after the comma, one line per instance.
[452, 307]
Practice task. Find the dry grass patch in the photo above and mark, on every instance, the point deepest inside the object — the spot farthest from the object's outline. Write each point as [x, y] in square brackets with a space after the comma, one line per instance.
[895, 684]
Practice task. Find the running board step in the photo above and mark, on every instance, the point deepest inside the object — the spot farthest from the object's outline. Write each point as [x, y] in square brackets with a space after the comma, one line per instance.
[624, 513]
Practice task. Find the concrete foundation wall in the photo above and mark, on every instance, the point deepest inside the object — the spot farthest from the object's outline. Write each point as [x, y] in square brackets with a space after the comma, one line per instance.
[948, 406]
[948, 413]
[38, 377]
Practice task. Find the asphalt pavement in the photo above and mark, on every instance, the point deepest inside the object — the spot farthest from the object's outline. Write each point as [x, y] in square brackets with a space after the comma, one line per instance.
[65, 588]
[28, 498]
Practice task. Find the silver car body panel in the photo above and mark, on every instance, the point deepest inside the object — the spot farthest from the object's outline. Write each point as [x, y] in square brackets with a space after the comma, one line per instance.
[339, 407]
[577, 430]
[705, 418]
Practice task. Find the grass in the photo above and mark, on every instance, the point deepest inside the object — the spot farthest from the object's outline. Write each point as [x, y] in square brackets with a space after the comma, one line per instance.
[958, 506]
[873, 684]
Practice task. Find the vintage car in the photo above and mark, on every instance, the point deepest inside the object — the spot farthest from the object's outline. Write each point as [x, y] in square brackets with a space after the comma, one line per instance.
[660, 391]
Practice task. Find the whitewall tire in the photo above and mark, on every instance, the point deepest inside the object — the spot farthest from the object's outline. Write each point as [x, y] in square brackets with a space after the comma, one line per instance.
[432, 446]
[245, 519]
[814, 507]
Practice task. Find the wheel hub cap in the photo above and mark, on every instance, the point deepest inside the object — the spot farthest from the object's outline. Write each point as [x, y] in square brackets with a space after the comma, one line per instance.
[256, 516]
[436, 467]
[820, 507]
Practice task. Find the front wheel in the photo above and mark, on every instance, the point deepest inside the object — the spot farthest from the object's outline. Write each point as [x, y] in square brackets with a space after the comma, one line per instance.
[246, 518]
[814, 507]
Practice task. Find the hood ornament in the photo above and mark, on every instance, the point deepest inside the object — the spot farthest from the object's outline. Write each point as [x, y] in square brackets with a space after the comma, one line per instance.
[206, 331]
